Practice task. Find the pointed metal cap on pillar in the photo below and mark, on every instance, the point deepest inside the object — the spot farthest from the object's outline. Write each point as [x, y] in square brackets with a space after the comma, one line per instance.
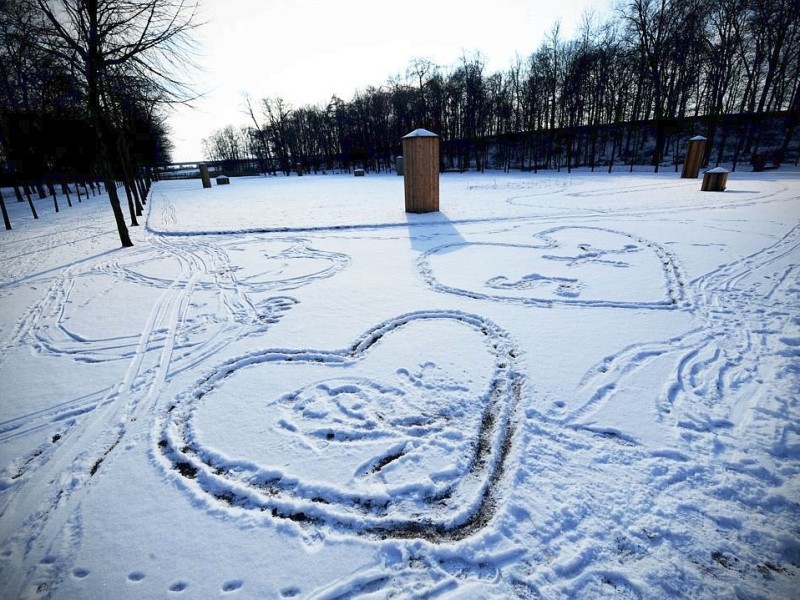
[697, 138]
[420, 133]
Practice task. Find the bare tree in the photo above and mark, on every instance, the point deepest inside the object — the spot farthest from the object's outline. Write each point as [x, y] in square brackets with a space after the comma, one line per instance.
[654, 71]
[228, 143]
[262, 152]
[277, 114]
[104, 39]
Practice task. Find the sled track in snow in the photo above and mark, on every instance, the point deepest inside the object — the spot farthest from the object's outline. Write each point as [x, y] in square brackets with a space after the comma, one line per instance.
[174, 337]
[722, 356]
[270, 280]
[721, 465]
[46, 325]
[731, 354]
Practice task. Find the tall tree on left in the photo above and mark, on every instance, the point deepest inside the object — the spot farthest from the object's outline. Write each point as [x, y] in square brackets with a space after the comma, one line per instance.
[104, 40]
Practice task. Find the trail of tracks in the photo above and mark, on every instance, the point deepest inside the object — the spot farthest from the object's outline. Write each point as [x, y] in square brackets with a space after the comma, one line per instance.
[745, 334]
[725, 353]
[175, 336]
[62, 471]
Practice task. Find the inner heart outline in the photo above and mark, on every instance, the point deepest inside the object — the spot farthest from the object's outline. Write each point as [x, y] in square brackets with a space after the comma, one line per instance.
[568, 289]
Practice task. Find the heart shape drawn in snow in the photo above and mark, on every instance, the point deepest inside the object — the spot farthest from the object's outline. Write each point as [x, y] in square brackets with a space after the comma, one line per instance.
[588, 266]
[254, 264]
[398, 435]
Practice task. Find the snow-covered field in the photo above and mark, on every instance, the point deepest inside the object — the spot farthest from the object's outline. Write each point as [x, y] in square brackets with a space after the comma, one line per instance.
[560, 386]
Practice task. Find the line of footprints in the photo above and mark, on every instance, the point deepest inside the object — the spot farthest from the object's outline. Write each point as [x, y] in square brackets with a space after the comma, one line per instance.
[177, 587]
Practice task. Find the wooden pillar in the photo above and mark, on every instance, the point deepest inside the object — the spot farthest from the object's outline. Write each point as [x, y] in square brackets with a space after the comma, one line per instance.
[694, 157]
[204, 175]
[421, 165]
[715, 180]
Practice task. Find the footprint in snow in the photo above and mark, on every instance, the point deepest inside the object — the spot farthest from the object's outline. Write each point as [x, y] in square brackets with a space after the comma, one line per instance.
[232, 585]
[178, 586]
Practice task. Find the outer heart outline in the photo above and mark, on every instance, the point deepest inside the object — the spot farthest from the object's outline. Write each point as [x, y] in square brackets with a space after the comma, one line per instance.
[251, 490]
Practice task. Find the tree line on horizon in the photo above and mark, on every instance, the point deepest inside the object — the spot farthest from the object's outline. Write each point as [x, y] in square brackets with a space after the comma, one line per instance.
[622, 86]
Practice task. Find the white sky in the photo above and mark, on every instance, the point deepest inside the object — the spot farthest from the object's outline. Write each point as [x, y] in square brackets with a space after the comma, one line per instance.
[305, 51]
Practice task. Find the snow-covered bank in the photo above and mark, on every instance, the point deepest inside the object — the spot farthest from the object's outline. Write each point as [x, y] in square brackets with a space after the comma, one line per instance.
[560, 386]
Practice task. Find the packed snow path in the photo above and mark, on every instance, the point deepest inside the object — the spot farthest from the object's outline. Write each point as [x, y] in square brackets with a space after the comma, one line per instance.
[559, 386]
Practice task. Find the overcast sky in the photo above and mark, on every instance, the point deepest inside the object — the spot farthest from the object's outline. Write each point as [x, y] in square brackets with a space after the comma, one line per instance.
[305, 51]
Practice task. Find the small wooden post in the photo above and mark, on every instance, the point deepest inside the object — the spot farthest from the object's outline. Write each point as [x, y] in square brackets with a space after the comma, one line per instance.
[715, 180]
[398, 163]
[223, 180]
[358, 172]
[421, 180]
[204, 175]
[694, 157]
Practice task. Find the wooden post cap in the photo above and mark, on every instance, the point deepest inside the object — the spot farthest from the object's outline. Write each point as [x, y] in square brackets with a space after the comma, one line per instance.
[420, 133]
[714, 180]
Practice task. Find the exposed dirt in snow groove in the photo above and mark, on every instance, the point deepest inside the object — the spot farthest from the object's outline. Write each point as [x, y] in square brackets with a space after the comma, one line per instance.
[599, 423]
[452, 513]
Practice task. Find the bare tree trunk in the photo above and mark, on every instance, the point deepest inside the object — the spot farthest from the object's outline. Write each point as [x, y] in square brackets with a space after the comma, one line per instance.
[92, 68]
[131, 207]
[6, 220]
[33, 208]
